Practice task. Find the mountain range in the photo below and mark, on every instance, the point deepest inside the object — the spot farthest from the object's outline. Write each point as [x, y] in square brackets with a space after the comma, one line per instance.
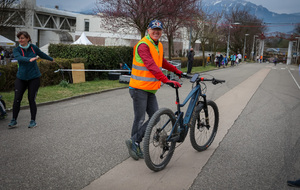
[275, 22]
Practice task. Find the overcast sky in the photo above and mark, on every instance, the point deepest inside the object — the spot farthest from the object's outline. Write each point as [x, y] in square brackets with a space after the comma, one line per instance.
[277, 6]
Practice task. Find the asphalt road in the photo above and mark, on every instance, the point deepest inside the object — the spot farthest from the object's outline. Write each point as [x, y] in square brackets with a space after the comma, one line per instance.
[261, 150]
[79, 140]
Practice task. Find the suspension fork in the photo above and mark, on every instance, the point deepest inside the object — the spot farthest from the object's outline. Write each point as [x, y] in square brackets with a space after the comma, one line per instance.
[205, 109]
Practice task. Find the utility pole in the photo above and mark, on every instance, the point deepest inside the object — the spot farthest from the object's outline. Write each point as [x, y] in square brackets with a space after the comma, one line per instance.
[252, 52]
[297, 50]
[190, 42]
[245, 47]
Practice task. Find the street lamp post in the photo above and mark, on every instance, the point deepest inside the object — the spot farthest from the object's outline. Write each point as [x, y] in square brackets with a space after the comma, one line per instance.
[228, 41]
[230, 26]
[252, 52]
[245, 47]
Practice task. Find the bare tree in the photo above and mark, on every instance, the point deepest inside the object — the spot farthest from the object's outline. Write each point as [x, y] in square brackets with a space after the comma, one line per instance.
[242, 22]
[8, 16]
[204, 28]
[118, 14]
[179, 12]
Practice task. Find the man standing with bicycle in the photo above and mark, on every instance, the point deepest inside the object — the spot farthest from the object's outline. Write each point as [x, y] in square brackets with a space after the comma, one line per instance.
[146, 78]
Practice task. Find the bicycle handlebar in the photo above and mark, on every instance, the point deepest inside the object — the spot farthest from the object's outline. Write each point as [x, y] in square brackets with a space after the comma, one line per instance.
[196, 78]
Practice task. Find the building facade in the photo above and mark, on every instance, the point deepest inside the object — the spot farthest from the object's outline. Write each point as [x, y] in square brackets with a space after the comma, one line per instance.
[46, 25]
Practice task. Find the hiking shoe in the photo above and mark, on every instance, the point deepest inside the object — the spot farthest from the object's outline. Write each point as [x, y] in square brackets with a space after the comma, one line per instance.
[13, 123]
[32, 124]
[140, 152]
[132, 149]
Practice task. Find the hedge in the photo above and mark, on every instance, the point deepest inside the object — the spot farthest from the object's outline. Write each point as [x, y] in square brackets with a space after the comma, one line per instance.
[47, 68]
[97, 57]
[101, 57]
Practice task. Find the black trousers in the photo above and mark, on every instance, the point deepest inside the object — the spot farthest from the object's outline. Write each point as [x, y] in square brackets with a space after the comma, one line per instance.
[190, 66]
[20, 87]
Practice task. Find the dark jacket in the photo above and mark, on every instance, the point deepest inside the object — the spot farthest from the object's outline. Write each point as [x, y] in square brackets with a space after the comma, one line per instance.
[191, 55]
[220, 58]
[29, 70]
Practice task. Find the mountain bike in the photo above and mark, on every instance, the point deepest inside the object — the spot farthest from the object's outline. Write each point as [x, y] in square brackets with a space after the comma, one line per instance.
[167, 128]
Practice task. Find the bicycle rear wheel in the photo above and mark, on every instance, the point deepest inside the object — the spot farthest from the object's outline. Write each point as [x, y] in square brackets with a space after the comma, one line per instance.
[203, 131]
[157, 150]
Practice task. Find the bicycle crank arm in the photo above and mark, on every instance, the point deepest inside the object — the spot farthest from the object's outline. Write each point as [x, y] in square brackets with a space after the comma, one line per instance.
[175, 138]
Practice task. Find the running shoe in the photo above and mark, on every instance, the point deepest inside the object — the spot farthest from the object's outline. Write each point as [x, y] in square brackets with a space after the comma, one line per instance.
[32, 124]
[13, 123]
[132, 149]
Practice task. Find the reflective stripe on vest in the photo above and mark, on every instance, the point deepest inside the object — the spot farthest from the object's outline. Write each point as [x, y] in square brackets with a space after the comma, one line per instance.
[141, 77]
[142, 68]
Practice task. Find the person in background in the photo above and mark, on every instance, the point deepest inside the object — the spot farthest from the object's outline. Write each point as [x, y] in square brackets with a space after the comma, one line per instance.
[146, 78]
[225, 61]
[208, 60]
[28, 76]
[191, 55]
[1, 56]
[232, 58]
[217, 61]
[220, 60]
[239, 56]
[261, 59]
[275, 60]
[6, 57]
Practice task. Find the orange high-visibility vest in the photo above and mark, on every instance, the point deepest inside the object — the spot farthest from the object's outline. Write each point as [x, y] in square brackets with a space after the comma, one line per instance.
[141, 77]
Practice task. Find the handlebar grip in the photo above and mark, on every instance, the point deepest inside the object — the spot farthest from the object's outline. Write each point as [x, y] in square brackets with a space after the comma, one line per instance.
[185, 75]
[216, 81]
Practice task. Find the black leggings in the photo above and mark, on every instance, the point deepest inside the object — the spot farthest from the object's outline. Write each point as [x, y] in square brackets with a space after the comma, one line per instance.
[20, 87]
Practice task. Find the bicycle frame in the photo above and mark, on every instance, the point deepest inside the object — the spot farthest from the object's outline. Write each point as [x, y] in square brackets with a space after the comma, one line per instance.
[193, 97]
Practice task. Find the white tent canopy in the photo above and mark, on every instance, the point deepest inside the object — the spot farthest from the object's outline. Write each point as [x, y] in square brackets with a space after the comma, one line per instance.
[6, 42]
[83, 40]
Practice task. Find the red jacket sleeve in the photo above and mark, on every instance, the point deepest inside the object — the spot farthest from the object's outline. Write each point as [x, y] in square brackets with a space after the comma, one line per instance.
[169, 66]
[144, 53]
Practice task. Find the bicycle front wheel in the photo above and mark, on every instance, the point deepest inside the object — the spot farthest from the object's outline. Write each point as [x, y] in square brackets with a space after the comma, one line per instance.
[204, 129]
[157, 149]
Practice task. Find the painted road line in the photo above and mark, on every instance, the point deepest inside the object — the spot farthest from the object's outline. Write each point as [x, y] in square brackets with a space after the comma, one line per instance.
[186, 163]
[294, 79]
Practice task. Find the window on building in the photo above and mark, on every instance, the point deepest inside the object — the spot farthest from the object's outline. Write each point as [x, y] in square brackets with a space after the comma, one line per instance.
[86, 25]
